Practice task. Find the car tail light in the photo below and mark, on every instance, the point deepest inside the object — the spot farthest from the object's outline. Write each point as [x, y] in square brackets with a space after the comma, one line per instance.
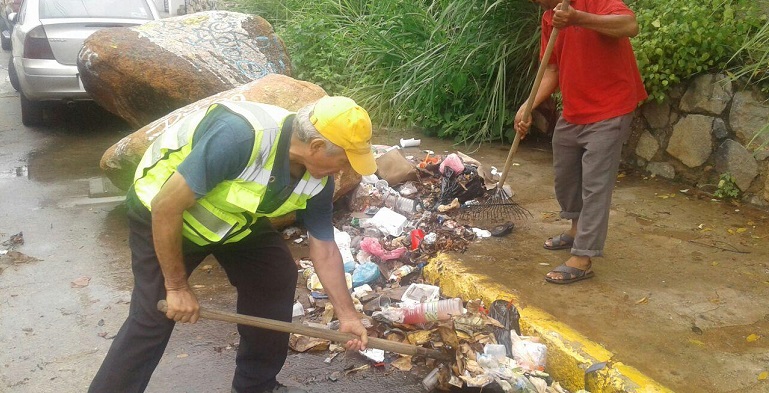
[36, 45]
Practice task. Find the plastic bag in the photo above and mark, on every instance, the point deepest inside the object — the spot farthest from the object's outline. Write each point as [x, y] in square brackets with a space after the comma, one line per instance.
[365, 274]
[372, 246]
[527, 353]
[506, 313]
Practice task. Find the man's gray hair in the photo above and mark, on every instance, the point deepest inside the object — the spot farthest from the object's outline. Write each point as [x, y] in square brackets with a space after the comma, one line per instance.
[306, 131]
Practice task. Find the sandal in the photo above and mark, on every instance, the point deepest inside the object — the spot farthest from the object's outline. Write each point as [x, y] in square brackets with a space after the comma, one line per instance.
[559, 242]
[570, 274]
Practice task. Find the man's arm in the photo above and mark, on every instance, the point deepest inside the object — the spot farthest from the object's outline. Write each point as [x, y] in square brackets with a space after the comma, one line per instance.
[547, 87]
[168, 206]
[328, 264]
[617, 26]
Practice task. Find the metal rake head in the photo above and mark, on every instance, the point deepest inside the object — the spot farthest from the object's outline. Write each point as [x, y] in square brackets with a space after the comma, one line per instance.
[497, 208]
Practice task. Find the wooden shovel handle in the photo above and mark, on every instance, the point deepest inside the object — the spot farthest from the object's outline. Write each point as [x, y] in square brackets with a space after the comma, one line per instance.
[530, 102]
[339, 337]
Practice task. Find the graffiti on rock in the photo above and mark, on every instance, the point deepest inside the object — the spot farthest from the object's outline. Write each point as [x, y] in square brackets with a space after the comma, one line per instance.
[216, 38]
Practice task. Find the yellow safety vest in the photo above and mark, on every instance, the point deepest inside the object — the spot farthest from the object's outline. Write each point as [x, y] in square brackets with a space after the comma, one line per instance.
[225, 214]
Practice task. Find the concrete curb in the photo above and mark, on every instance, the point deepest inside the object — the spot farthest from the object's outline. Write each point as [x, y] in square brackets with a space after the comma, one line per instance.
[572, 359]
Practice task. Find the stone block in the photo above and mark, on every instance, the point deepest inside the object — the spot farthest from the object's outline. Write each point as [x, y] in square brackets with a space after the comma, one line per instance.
[747, 118]
[662, 169]
[657, 114]
[647, 146]
[691, 141]
[733, 158]
[707, 94]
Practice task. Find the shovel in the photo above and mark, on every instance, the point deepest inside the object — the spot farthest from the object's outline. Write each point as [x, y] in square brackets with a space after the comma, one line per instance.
[339, 337]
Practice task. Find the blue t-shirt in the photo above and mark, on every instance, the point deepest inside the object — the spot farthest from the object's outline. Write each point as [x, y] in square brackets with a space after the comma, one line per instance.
[222, 145]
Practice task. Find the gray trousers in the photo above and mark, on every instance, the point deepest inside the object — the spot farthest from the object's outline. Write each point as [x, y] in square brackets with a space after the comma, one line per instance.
[586, 159]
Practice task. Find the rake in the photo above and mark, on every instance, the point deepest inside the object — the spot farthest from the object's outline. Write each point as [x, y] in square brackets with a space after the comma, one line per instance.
[500, 206]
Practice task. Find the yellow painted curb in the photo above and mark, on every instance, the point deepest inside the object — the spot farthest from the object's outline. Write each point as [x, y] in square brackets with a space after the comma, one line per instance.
[572, 359]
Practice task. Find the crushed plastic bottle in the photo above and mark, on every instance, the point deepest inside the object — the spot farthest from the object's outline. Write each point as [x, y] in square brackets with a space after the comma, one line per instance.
[440, 310]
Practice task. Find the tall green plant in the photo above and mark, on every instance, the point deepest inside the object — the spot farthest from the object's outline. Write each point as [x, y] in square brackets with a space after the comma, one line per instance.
[751, 64]
[751, 61]
[456, 68]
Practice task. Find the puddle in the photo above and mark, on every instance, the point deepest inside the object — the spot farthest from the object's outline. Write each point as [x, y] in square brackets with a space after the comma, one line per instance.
[79, 137]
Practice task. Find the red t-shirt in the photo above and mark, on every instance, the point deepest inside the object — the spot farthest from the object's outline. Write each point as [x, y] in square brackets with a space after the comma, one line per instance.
[598, 74]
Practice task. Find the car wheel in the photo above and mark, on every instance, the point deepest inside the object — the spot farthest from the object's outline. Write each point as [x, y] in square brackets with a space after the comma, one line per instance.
[31, 112]
[12, 76]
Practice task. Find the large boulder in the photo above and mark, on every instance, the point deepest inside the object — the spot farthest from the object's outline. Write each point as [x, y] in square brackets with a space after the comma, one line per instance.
[142, 73]
[120, 160]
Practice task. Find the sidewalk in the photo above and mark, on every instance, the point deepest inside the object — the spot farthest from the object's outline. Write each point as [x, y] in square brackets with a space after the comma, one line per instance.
[679, 301]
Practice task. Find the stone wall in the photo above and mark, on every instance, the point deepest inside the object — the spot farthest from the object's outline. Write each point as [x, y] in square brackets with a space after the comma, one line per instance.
[707, 127]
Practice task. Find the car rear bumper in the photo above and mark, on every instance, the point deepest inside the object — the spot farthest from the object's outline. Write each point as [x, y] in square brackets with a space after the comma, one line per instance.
[43, 80]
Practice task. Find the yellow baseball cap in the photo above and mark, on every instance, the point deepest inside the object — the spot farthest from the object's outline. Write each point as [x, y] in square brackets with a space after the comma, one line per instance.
[347, 125]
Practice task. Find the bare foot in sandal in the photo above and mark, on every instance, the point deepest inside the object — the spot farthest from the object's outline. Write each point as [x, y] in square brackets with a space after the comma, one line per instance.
[559, 242]
[574, 269]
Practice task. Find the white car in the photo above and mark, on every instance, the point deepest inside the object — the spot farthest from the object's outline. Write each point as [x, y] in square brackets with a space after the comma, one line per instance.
[46, 39]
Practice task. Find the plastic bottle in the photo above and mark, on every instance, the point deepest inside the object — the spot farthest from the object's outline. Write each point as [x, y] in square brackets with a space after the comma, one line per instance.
[431, 380]
[440, 310]
[400, 272]
[401, 204]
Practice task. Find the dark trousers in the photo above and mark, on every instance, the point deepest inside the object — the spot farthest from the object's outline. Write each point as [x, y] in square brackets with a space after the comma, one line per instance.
[262, 270]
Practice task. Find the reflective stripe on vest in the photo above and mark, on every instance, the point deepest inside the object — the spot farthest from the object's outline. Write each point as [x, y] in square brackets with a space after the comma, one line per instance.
[225, 214]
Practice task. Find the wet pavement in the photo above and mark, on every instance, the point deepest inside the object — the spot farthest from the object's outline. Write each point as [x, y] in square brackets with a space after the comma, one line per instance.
[681, 293]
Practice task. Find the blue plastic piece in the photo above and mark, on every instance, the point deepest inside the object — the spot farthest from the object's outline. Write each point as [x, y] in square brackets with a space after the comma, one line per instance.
[365, 274]
[349, 266]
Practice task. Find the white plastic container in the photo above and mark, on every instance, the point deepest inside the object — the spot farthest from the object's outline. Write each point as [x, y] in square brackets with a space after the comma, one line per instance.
[421, 293]
[343, 240]
[411, 142]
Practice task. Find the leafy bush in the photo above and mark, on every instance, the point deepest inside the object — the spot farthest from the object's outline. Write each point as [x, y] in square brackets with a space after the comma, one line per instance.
[681, 39]
[727, 187]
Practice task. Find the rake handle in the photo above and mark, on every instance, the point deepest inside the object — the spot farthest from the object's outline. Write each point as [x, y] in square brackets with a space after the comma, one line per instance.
[287, 327]
[530, 101]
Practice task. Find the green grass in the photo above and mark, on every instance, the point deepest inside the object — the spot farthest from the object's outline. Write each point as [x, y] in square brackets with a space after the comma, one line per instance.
[456, 69]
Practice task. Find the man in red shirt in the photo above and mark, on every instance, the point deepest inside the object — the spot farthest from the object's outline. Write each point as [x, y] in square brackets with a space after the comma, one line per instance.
[594, 66]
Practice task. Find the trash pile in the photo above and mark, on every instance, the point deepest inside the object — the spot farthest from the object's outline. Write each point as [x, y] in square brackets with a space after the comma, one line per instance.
[393, 223]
